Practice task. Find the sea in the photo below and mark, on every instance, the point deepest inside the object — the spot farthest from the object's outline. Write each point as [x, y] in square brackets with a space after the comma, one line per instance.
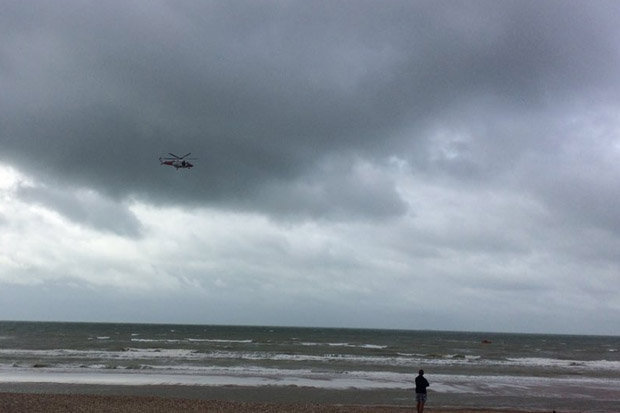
[499, 370]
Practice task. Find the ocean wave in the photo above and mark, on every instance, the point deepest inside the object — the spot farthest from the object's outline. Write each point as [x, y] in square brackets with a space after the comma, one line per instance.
[217, 376]
[254, 376]
[179, 355]
[217, 340]
[367, 346]
[189, 340]
[558, 363]
[155, 340]
[314, 344]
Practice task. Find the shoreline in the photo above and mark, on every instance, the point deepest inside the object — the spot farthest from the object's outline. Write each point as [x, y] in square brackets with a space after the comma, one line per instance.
[49, 397]
[44, 402]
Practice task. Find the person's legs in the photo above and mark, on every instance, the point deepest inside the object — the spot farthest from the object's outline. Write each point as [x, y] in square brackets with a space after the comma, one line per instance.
[421, 399]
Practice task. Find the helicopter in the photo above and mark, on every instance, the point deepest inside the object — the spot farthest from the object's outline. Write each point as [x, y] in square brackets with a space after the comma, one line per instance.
[177, 161]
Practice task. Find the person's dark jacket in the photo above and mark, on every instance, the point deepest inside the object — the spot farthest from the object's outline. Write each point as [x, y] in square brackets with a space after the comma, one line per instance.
[421, 384]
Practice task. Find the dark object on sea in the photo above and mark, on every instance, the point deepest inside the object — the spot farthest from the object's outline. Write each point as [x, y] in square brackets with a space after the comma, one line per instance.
[486, 341]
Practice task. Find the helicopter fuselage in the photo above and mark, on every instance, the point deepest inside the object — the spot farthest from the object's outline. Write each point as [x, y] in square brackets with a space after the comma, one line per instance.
[176, 163]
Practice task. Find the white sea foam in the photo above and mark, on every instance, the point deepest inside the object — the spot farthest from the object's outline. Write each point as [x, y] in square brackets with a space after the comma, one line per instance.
[190, 340]
[177, 356]
[125, 354]
[214, 340]
[213, 377]
[373, 346]
[94, 366]
[325, 344]
[368, 346]
[557, 363]
[563, 386]
[367, 380]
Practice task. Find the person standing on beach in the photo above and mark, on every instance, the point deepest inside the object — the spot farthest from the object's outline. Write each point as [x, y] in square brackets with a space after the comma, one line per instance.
[420, 390]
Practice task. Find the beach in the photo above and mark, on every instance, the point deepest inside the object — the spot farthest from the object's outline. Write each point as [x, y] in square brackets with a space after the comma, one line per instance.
[50, 397]
[32, 402]
[45, 397]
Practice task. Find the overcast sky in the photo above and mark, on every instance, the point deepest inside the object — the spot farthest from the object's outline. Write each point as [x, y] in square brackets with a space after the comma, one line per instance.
[418, 164]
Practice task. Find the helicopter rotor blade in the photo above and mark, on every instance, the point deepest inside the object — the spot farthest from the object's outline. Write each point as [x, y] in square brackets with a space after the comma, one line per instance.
[170, 153]
[187, 154]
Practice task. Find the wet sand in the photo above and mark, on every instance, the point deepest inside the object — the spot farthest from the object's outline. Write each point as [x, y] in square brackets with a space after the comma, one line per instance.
[39, 402]
[55, 397]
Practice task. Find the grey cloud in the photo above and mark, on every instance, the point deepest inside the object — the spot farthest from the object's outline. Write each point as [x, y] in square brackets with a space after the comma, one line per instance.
[263, 94]
[341, 188]
[85, 207]
[464, 142]
[577, 176]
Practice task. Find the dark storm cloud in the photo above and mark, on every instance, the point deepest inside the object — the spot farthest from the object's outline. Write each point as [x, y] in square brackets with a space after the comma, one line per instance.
[336, 189]
[266, 93]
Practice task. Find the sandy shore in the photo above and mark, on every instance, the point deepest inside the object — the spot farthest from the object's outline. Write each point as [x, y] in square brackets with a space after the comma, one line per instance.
[29, 402]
